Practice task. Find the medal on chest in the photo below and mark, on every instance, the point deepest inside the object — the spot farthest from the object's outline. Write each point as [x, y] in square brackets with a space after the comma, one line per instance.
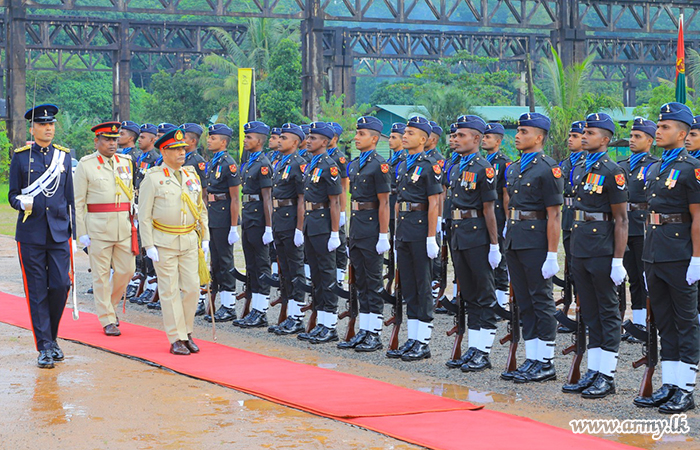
[218, 172]
[124, 172]
[495, 169]
[468, 180]
[193, 185]
[416, 174]
[672, 178]
[316, 175]
[285, 173]
[594, 183]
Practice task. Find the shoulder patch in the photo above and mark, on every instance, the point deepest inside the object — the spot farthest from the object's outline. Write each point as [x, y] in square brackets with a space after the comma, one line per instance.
[334, 171]
[697, 174]
[620, 178]
[490, 172]
[437, 169]
[302, 167]
[202, 165]
[385, 168]
[21, 149]
[232, 168]
[342, 160]
[264, 170]
[556, 171]
[62, 148]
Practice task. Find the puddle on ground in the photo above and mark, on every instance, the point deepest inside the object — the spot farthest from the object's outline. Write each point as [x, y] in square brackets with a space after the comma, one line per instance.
[467, 394]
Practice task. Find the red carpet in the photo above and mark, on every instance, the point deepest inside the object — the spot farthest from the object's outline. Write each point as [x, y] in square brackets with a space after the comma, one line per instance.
[405, 414]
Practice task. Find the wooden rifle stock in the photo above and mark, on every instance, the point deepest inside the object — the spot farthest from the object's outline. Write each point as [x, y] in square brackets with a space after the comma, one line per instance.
[651, 357]
[283, 298]
[578, 347]
[247, 294]
[459, 328]
[398, 313]
[514, 334]
[352, 310]
[443, 270]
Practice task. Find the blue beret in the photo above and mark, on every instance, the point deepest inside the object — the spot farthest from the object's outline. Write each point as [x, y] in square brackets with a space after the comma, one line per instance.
[453, 128]
[221, 129]
[322, 128]
[45, 113]
[578, 126]
[305, 127]
[695, 125]
[535, 120]
[149, 128]
[192, 128]
[472, 122]
[421, 123]
[437, 129]
[293, 129]
[676, 111]
[131, 126]
[276, 131]
[600, 120]
[256, 127]
[369, 123]
[649, 127]
[337, 129]
[398, 127]
[165, 127]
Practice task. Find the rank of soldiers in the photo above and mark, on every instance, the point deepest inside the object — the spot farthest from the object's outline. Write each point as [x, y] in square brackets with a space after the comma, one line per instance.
[148, 202]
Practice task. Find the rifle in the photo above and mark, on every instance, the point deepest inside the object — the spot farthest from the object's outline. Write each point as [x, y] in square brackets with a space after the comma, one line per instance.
[443, 272]
[622, 298]
[397, 312]
[579, 341]
[650, 350]
[277, 282]
[567, 294]
[246, 292]
[513, 335]
[390, 266]
[352, 302]
[301, 284]
[459, 328]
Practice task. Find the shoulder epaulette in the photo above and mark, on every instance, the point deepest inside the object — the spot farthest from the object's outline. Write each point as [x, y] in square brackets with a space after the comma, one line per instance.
[62, 148]
[89, 157]
[21, 149]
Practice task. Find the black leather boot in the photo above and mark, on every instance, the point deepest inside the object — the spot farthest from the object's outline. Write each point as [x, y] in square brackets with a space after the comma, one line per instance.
[602, 386]
[419, 351]
[658, 397]
[681, 401]
[480, 361]
[371, 343]
[395, 354]
[524, 367]
[464, 359]
[354, 342]
[45, 360]
[583, 383]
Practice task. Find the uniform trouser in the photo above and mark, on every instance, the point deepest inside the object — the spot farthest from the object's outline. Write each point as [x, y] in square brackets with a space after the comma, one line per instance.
[476, 279]
[322, 264]
[106, 255]
[600, 306]
[501, 271]
[367, 264]
[291, 263]
[675, 309]
[414, 271]
[46, 284]
[178, 287]
[257, 259]
[635, 271]
[341, 257]
[533, 293]
[222, 279]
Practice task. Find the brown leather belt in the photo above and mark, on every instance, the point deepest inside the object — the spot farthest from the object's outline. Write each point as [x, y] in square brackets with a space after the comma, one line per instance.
[516, 214]
[108, 207]
[585, 216]
[310, 206]
[279, 203]
[661, 219]
[637, 206]
[217, 197]
[568, 201]
[410, 206]
[459, 214]
[246, 198]
[364, 206]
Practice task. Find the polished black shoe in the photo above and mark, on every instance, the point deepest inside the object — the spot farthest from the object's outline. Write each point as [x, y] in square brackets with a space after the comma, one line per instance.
[538, 373]
[133, 288]
[154, 305]
[326, 335]
[256, 319]
[480, 361]
[457, 363]
[417, 352]
[371, 343]
[354, 342]
[289, 326]
[307, 336]
[201, 309]
[583, 383]
[681, 402]
[223, 314]
[633, 340]
[602, 386]
[524, 367]
[56, 352]
[658, 397]
[45, 360]
[249, 316]
[563, 329]
[146, 297]
[398, 353]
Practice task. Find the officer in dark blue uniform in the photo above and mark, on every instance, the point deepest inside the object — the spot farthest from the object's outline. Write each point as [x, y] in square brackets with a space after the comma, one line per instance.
[417, 206]
[432, 152]
[273, 154]
[322, 190]
[223, 193]
[303, 147]
[535, 187]
[41, 189]
[193, 157]
[635, 167]
[398, 155]
[692, 144]
[672, 260]
[341, 256]
[128, 135]
[448, 164]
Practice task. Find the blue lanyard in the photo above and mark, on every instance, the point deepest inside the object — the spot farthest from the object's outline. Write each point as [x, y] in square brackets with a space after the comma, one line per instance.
[455, 160]
[253, 157]
[331, 151]
[573, 158]
[364, 156]
[127, 151]
[635, 159]
[695, 154]
[396, 156]
[592, 158]
[283, 160]
[313, 163]
[668, 156]
[491, 156]
[411, 160]
[526, 159]
[465, 161]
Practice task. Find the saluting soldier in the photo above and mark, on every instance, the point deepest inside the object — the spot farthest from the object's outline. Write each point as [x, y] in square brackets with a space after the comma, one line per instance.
[223, 192]
[128, 135]
[417, 206]
[370, 184]
[41, 189]
[322, 189]
[672, 260]
[598, 241]
[535, 187]
[173, 228]
[341, 256]
[104, 194]
[635, 167]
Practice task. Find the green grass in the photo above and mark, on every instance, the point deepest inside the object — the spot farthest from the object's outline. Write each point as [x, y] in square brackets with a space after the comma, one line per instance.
[4, 188]
[8, 216]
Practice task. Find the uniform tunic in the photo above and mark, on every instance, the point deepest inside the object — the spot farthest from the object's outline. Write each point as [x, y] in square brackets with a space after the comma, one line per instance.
[197, 161]
[341, 256]
[500, 162]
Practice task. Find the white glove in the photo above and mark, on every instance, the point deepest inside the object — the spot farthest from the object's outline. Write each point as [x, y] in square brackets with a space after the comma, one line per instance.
[693, 273]
[333, 241]
[233, 235]
[432, 247]
[136, 223]
[341, 223]
[505, 229]
[153, 254]
[267, 236]
[22, 205]
[438, 228]
[205, 247]
[383, 244]
[85, 240]
[135, 209]
[75, 246]
[494, 255]
[618, 272]
[298, 237]
[550, 266]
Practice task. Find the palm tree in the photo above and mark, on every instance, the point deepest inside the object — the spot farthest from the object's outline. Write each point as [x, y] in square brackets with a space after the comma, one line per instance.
[445, 103]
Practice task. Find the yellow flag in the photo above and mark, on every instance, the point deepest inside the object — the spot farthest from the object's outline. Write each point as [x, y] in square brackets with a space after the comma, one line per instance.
[246, 102]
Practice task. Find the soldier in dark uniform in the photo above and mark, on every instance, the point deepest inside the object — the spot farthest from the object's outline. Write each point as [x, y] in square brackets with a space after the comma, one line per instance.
[398, 155]
[635, 167]
[273, 154]
[288, 223]
[303, 147]
[475, 249]
[369, 232]
[193, 157]
[256, 222]
[223, 187]
[535, 187]
[44, 228]
[598, 241]
[128, 135]
[417, 206]
[672, 260]
[341, 256]
[493, 138]
[432, 152]
[321, 237]
[692, 144]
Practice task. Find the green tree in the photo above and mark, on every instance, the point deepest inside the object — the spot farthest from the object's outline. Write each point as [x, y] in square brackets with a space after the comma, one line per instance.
[280, 92]
[396, 93]
[445, 104]
[333, 110]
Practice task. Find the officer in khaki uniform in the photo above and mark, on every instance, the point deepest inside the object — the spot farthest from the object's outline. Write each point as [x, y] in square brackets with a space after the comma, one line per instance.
[173, 222]
[104, 196]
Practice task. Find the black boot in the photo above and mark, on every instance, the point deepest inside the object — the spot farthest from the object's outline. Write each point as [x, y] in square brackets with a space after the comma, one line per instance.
[201, 309]
[354, 342]
[289, 326]
[45, 360]
[564, 329]
[457, 363]
[633, 340]
[583, 383]
[371, 343]
[394, 354]
[256, 319]
[326, 335]
[602, 386]
[223, 314]
[311, 334]
[681, 402]
[154, 305]
[419, 351]
[658, 397]
[480, 361]
[56, 352]
[538, 373]
[146, 297]
[524, 367]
